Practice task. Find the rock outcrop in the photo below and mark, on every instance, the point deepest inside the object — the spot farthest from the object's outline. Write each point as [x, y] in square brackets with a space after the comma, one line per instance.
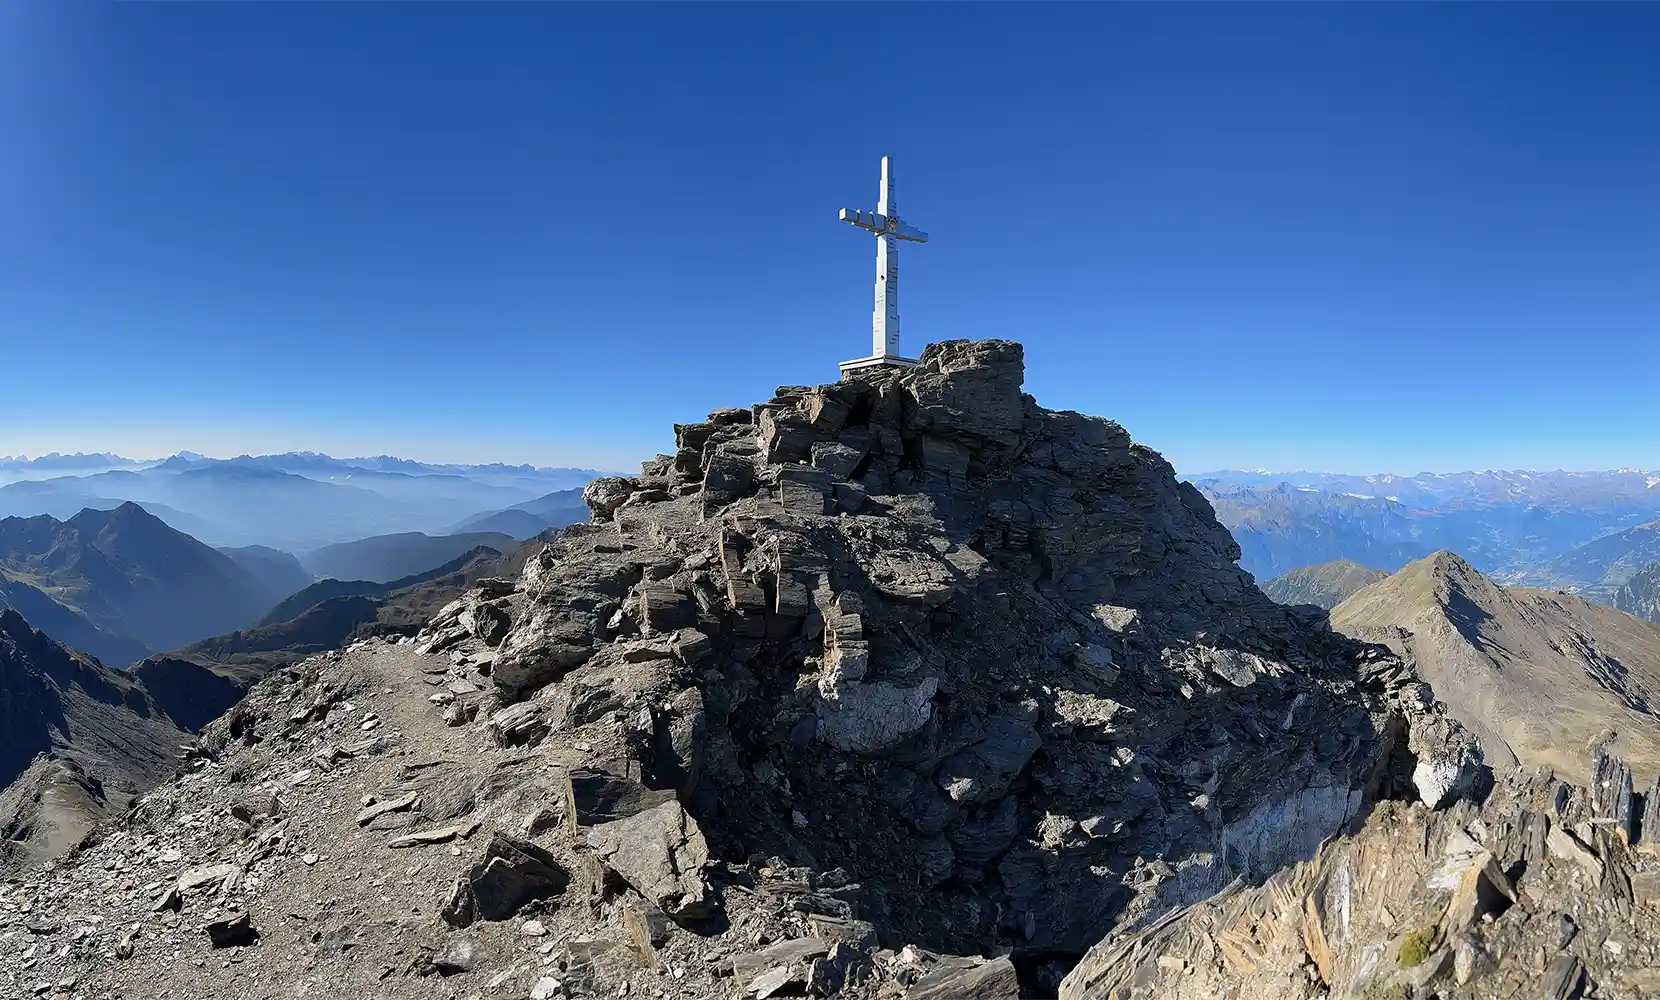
[994, 661]
[1534, 894]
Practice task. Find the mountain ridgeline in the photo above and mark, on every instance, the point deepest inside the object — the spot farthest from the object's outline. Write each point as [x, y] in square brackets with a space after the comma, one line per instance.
[1588, 532]
[77, 741]
[120, 583]
[861, 685]
[1543, 678]
[300, 502]
[1326, 585]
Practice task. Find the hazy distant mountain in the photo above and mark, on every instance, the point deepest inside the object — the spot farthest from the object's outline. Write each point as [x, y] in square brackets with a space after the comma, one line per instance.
[281, 572]
[1282, 528]
[1504, 522]
[126, 572]
[1538, 675]
[57, 464]
[1641, 594]
[531, 518]
[63, 498]
[81, 740]
[383, 558]
[292, 502]
[1325, 585]
[1601, 566]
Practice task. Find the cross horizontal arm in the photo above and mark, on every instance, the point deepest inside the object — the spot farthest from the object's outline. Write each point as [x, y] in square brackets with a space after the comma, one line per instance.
[864, 220]
[907, 232]
[878, 223]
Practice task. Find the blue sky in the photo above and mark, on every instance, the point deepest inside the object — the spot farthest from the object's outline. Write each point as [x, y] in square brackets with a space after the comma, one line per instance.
[1348, 237]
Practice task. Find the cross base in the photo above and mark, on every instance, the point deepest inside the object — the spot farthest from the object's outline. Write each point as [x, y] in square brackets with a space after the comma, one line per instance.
[877, 361]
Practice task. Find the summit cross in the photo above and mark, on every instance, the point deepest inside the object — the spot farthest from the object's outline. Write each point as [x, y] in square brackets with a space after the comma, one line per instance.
[884, 319]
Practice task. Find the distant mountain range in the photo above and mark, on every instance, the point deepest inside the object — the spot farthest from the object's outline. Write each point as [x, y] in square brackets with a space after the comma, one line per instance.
[120, 583]
[294, 502]
[1519, 526]
[384, 558]
[531, 518]
[323, 616]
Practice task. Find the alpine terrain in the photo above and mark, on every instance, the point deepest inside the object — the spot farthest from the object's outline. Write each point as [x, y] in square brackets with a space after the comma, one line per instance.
[1542, 677]
[1326, 585]
[902, 686]
[77, 741]
[1641, 594]
[118, 583]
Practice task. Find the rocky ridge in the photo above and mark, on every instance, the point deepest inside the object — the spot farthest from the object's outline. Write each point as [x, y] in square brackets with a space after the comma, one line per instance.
[77, 741]
[900, 685]
[1541, 677]
[1545, 891]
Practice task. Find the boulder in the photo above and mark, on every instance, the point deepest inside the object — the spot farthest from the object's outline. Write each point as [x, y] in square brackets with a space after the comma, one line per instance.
[509, 874]
[661, 853]
[234, 931]
[524, 724]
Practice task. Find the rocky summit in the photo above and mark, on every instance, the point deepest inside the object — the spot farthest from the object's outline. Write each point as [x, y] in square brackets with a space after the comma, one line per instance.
[898, 686]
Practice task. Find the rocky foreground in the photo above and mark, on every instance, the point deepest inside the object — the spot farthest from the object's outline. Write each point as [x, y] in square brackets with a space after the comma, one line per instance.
[902, 686]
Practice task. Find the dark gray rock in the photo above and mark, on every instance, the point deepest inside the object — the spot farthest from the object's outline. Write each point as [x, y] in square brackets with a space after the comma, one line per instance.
[234, 931]
[524, 724]
[594, 797]
[983, 772]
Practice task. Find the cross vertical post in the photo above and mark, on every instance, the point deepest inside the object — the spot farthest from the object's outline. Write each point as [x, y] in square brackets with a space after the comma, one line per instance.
[884, 319]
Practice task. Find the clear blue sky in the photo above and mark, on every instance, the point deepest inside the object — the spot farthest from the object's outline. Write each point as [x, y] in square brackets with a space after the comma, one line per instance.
[1348, 237]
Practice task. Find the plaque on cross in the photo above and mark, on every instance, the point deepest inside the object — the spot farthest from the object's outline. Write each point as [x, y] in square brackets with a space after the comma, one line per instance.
[884, 319]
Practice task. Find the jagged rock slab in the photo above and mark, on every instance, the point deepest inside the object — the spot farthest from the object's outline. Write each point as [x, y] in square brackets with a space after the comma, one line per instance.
[661, 853]
[1414, 895]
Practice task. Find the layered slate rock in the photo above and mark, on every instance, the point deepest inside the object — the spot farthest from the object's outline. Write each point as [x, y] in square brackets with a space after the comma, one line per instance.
[993, 662]
[1529, 895]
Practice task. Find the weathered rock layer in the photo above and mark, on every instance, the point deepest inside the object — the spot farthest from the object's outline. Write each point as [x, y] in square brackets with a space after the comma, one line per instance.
[994, 661]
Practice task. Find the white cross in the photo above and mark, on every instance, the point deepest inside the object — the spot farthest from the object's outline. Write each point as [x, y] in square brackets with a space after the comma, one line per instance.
[884, 320]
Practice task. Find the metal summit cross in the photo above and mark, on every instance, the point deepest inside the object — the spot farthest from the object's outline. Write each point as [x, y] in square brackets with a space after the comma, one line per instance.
[884, 320]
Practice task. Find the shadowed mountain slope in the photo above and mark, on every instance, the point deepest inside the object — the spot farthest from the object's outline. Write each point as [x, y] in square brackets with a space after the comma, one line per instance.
[1326, 585]
[1641, 594]
[59, 704]
[68, 625]
[1540, 676]
[279, 571]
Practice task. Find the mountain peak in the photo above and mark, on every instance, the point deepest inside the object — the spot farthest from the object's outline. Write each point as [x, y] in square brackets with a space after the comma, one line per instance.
[12, 623]
[1534, 673]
